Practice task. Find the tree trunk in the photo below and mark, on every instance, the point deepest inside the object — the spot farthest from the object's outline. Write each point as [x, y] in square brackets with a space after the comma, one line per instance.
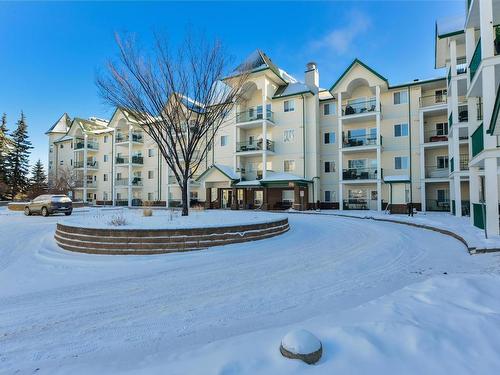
[185, 197]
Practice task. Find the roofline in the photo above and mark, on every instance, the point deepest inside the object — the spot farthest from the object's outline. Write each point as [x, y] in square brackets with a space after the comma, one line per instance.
[254, 71]
[356, 60]
[415, 83]
[294, 94]
[63, 140]
[436, 37]
[220, 170]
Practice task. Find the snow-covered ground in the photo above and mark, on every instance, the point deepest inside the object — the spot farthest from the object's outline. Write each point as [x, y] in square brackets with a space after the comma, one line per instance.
[383, 298]
[167, 219]
[474, 236]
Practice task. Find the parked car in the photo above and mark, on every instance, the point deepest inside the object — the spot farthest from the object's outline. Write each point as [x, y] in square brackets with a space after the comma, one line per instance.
[49, 204]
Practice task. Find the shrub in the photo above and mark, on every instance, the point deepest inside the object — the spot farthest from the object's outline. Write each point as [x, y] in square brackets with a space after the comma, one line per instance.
[118, 220]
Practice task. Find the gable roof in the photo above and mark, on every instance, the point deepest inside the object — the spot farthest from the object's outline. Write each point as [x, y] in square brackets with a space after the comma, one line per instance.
[61, 126]
[224, 169]
[258, 61]
[359, 62]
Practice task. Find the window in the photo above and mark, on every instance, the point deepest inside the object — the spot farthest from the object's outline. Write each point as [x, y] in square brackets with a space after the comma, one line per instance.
[289, 105]
[223, 140]
[328, 196]
[71, 161]
[150, 152]
[105, 139]
[442, 162]
[401, 130]
[288, 165]
[288, 136]
[401, 162]
[329, 166]
[61, 162]
[440, 96]
[442, 128]
[150, 196]
[193, 195]
[51, 148]
[150, 175]
[105, 158]
[287, 196]
[105, 177]
[329, 138]
[105, 195]
[329, 109]
[61, 146]
[251, 139]
[442, 195]
[401, 97]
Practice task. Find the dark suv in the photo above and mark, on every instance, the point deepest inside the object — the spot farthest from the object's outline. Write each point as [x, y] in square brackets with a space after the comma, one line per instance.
[49, 204]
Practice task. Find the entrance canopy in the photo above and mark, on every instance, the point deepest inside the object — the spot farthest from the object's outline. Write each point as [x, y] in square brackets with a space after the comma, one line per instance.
[218, 175]
[275, 179]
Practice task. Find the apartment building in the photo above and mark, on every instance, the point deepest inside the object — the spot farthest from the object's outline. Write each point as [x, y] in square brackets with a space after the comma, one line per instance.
[469, 47]
[362, 143]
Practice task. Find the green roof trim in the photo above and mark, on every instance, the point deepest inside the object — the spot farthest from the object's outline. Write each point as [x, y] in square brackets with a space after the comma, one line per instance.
[494, 116]
[208, 170]
[294, 94]
[416, 83]
[354, 62]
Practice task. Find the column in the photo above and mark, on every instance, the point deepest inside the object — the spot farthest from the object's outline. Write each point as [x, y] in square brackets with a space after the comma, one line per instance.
[208, 197]
[422, 160]
[264, 198]
[379, 151]
[486, 25]
[340, 139]
[264, 130]
[457, 188]
[130, 166]
[234, 199]
[113, 171]
[470, 43]
[296, 198]
[85, 143]
[491, 195]
[236, 135]
[473, 190]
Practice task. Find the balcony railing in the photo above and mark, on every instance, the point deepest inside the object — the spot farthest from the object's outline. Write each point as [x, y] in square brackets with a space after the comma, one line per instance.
[359, 107]
[254, 146]
[463, 113]
[437, 205]
[477, 141]
[136, 159]
[359, 140]
[355, 204]
[359, 174]
[90, 184]
[432, 171]
[431, 136]
[123, 138]
[479, 108]
[461, 66]
[431, 100]
[91, 145]
[90, 164]
[136, 181]
[475, 61]
[254, 115]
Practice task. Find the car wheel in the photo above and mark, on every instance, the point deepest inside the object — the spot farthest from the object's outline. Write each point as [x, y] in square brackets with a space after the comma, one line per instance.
[45, 212]
[67, 213]
[27, 211]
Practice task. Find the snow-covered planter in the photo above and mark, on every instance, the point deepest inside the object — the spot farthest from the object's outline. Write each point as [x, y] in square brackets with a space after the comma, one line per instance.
[164, 232]
[303, 345]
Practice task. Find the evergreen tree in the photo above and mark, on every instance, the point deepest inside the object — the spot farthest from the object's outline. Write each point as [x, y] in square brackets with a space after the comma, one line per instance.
[18, 158]
[38, 182]
[4, 141]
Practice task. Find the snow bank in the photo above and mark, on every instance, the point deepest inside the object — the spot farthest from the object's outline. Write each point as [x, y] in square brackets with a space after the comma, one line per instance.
[169, 219]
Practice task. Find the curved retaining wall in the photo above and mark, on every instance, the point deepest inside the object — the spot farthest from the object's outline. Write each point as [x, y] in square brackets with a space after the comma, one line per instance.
[157, 241]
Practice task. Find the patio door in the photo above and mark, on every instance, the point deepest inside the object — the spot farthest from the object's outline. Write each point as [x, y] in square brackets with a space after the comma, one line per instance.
[227, 196]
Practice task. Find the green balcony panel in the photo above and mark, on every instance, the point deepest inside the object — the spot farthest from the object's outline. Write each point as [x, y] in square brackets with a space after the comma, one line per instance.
[477, 141]
[475, 61]
[452, 167]
[479, 217]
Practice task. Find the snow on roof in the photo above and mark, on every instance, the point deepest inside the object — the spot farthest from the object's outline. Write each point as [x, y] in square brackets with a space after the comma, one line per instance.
[61, 126]
[324, 94]
[248, 183]
[397, 178]
[258, 61]
[281, 176]
[292, 89]
[228, 171]
[64, 138]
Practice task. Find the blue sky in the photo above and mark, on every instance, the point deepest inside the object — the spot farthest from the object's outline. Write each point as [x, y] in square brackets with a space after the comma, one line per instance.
[50, 52]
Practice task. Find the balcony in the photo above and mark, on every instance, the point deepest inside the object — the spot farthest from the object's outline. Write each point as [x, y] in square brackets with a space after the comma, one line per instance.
[253, 115]
[463, 113]
[254, 146]
[136, 159]
[432, 136]
[433, 100]
[91, 145]
[359, 107]
[437, 205]
[359, 140]
[136, 182]
[124, 138]
[464, 162]
[90, 184]
[432, 171]
[477, 141]
[91, 164]
[359, 174]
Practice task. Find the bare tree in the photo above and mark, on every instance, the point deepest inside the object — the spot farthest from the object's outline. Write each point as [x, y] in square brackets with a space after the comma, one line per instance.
[65, 181]
[179, 99]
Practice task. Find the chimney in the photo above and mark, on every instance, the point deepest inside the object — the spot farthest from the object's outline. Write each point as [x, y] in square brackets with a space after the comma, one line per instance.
[312, 75]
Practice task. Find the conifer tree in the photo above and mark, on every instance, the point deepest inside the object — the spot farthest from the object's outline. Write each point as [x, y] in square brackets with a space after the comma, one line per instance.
[4, 141]
[38, 181]
[17, 166]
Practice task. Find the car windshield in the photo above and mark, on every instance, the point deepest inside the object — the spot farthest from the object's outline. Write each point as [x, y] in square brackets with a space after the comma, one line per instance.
[60, 198]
